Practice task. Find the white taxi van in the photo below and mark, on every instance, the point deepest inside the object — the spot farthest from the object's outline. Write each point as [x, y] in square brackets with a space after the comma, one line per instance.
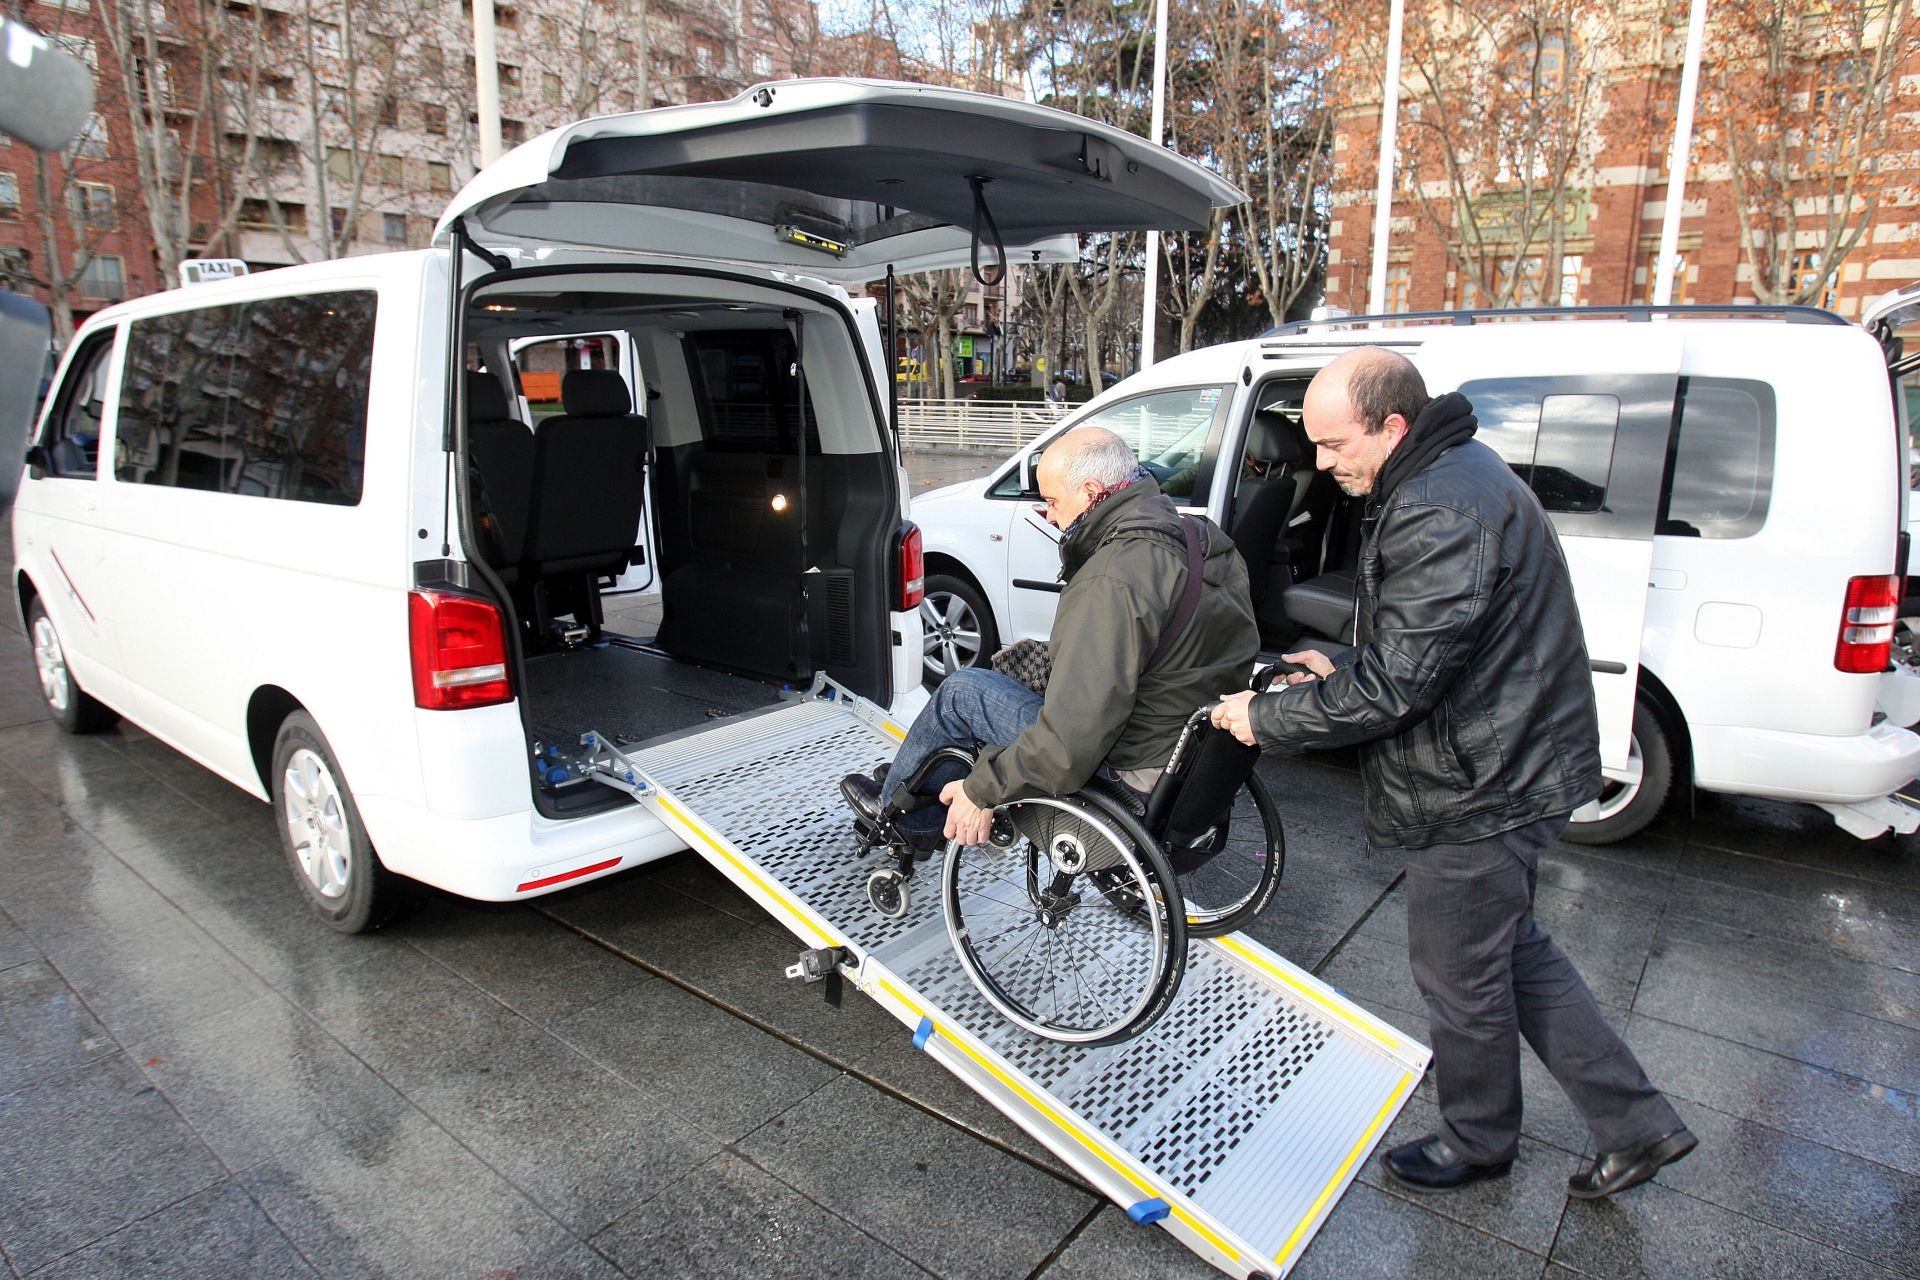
[302, 525]
[1728, 486]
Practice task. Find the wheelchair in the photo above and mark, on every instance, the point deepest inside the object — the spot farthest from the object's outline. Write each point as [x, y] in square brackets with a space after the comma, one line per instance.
[1072, 918]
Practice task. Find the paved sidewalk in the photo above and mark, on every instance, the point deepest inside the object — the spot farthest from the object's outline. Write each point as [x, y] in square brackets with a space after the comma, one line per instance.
[197, 1079]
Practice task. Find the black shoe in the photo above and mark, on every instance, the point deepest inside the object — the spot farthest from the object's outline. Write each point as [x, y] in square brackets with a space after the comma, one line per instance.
[862, 794]
[1430, 1164]
[1617, 1170]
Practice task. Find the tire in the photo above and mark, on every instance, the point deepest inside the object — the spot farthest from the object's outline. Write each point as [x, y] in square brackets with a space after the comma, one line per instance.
[956, 628]
[1068, 930]
[1245, 858]
[1624, 809]
[73, 709]
[325, 843]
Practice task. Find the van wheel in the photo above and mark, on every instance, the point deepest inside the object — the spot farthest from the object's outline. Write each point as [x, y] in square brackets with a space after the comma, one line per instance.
[74, 710]
[956, 628]
[1625, 808]
[326, 845]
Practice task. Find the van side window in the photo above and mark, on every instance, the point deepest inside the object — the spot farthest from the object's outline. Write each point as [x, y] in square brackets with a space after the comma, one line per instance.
[1719, 459]
[749, 391]
[265, 398]
[1561, 444]
[72, 436]
[1170, 432]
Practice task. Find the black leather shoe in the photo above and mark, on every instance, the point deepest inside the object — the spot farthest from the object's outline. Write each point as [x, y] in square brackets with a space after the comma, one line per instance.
[1430, 1164]
[862, 795]
[1617, 1170]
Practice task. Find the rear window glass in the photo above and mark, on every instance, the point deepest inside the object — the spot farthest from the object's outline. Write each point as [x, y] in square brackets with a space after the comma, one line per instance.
[1560, 444]
[265, 398]
[750, 391]
[1719, 459]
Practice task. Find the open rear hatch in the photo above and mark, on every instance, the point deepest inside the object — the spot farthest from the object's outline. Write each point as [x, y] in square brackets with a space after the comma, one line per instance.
[838, 179]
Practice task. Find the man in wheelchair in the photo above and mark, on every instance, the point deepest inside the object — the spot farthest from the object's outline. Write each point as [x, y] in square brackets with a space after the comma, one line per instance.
[1155, 618]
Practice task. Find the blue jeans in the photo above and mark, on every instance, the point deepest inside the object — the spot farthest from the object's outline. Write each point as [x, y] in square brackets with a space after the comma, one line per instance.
[973, 707]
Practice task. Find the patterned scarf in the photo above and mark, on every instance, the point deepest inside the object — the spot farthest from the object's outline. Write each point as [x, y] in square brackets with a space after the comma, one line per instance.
[1138, 473]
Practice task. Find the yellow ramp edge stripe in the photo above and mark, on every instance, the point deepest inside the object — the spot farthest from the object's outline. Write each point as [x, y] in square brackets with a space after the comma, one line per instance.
[1343, 1016]
[1326, 1192]
[1067, 1126]
[719, 846]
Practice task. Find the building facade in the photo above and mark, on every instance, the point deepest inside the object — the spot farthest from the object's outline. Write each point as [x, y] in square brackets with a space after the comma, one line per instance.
[1574, 217]
[278, 133]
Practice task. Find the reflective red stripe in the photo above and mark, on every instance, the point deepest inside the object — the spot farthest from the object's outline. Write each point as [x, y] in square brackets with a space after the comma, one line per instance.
[575, 874]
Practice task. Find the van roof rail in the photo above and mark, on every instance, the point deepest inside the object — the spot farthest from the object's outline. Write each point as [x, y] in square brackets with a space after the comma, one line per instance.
[1787, 314]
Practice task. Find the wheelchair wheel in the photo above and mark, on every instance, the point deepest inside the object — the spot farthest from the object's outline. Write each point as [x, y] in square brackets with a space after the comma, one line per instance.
[1230, 874]
[1072, 930]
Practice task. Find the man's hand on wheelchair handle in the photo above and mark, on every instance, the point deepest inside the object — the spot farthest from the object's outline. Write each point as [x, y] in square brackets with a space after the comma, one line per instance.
[1230, 713]
[967, 822]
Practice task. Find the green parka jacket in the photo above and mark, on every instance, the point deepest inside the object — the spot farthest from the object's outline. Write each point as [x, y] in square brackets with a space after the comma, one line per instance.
[1125, 566]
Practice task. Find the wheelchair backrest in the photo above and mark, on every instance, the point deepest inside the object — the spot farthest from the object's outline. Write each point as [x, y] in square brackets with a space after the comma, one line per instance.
[1191, 798]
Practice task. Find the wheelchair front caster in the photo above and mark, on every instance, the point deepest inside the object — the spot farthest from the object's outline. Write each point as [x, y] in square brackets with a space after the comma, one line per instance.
[887, 892]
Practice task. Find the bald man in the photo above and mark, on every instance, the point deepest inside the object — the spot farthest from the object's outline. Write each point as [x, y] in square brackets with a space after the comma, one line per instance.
[1468, 692]
[1109, 705]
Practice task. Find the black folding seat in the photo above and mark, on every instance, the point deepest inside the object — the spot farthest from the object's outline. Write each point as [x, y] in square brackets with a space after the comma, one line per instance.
[588, 489]
[500, 448]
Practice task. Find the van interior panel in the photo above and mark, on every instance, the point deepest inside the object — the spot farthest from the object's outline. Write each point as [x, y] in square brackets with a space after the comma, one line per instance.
[722, 423]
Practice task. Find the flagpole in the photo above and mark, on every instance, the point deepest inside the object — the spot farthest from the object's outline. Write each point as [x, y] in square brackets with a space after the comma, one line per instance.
[1383, 192]
[1669, 259]
[1150, 289]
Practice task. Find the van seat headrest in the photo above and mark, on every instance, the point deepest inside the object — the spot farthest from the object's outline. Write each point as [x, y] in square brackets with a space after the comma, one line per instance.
[595, 393]
[486, 402]
[1273, 439]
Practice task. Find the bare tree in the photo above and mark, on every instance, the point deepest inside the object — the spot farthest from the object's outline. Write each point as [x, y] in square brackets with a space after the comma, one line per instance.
[1799, 105]
[1502, 126]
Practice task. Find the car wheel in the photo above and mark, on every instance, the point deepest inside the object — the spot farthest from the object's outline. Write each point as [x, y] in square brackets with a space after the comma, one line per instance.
[74, 710]
[1625, 808]
[956, 628]
[322, 836]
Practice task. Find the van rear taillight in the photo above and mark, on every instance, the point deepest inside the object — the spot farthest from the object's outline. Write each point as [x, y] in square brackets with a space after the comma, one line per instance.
[913, 567]
[1866, 625]
[459, 649]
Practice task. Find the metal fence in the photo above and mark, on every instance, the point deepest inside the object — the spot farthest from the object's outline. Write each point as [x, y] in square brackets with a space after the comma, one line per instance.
[998, 425]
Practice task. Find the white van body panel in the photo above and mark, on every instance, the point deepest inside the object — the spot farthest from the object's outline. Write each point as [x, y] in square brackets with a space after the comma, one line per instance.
[446, 796]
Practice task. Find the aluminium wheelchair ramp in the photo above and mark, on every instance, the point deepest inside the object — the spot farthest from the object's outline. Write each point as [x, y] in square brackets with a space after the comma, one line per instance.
[1235, 1122]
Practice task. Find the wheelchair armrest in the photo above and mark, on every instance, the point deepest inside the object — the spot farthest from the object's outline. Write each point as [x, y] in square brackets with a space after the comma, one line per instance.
[944, 755]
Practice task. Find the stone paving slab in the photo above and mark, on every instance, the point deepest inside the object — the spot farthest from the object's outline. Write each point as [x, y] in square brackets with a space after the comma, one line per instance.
[198, 1078]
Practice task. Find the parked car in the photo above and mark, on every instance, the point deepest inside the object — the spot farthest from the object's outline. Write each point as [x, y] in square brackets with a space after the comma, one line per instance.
[1692, 467]
[335, 597]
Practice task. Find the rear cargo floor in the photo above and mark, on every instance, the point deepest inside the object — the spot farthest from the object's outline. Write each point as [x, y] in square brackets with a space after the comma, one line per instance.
[631, 696]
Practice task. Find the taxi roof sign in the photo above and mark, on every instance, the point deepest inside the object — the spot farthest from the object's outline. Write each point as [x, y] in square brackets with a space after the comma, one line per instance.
[201, 270]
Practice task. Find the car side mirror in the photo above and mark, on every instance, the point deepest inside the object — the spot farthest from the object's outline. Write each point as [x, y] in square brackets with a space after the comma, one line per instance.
[38, 463]
[1030, 476]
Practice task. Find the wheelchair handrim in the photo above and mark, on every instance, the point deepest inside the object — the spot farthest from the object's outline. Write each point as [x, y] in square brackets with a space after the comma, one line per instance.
[1161, 975]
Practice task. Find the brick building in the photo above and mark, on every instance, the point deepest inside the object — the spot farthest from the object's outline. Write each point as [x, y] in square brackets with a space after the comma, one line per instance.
[1614, 198]
[330, 129]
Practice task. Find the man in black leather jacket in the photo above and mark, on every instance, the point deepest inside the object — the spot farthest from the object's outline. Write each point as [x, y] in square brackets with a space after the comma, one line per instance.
[1469, 693]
